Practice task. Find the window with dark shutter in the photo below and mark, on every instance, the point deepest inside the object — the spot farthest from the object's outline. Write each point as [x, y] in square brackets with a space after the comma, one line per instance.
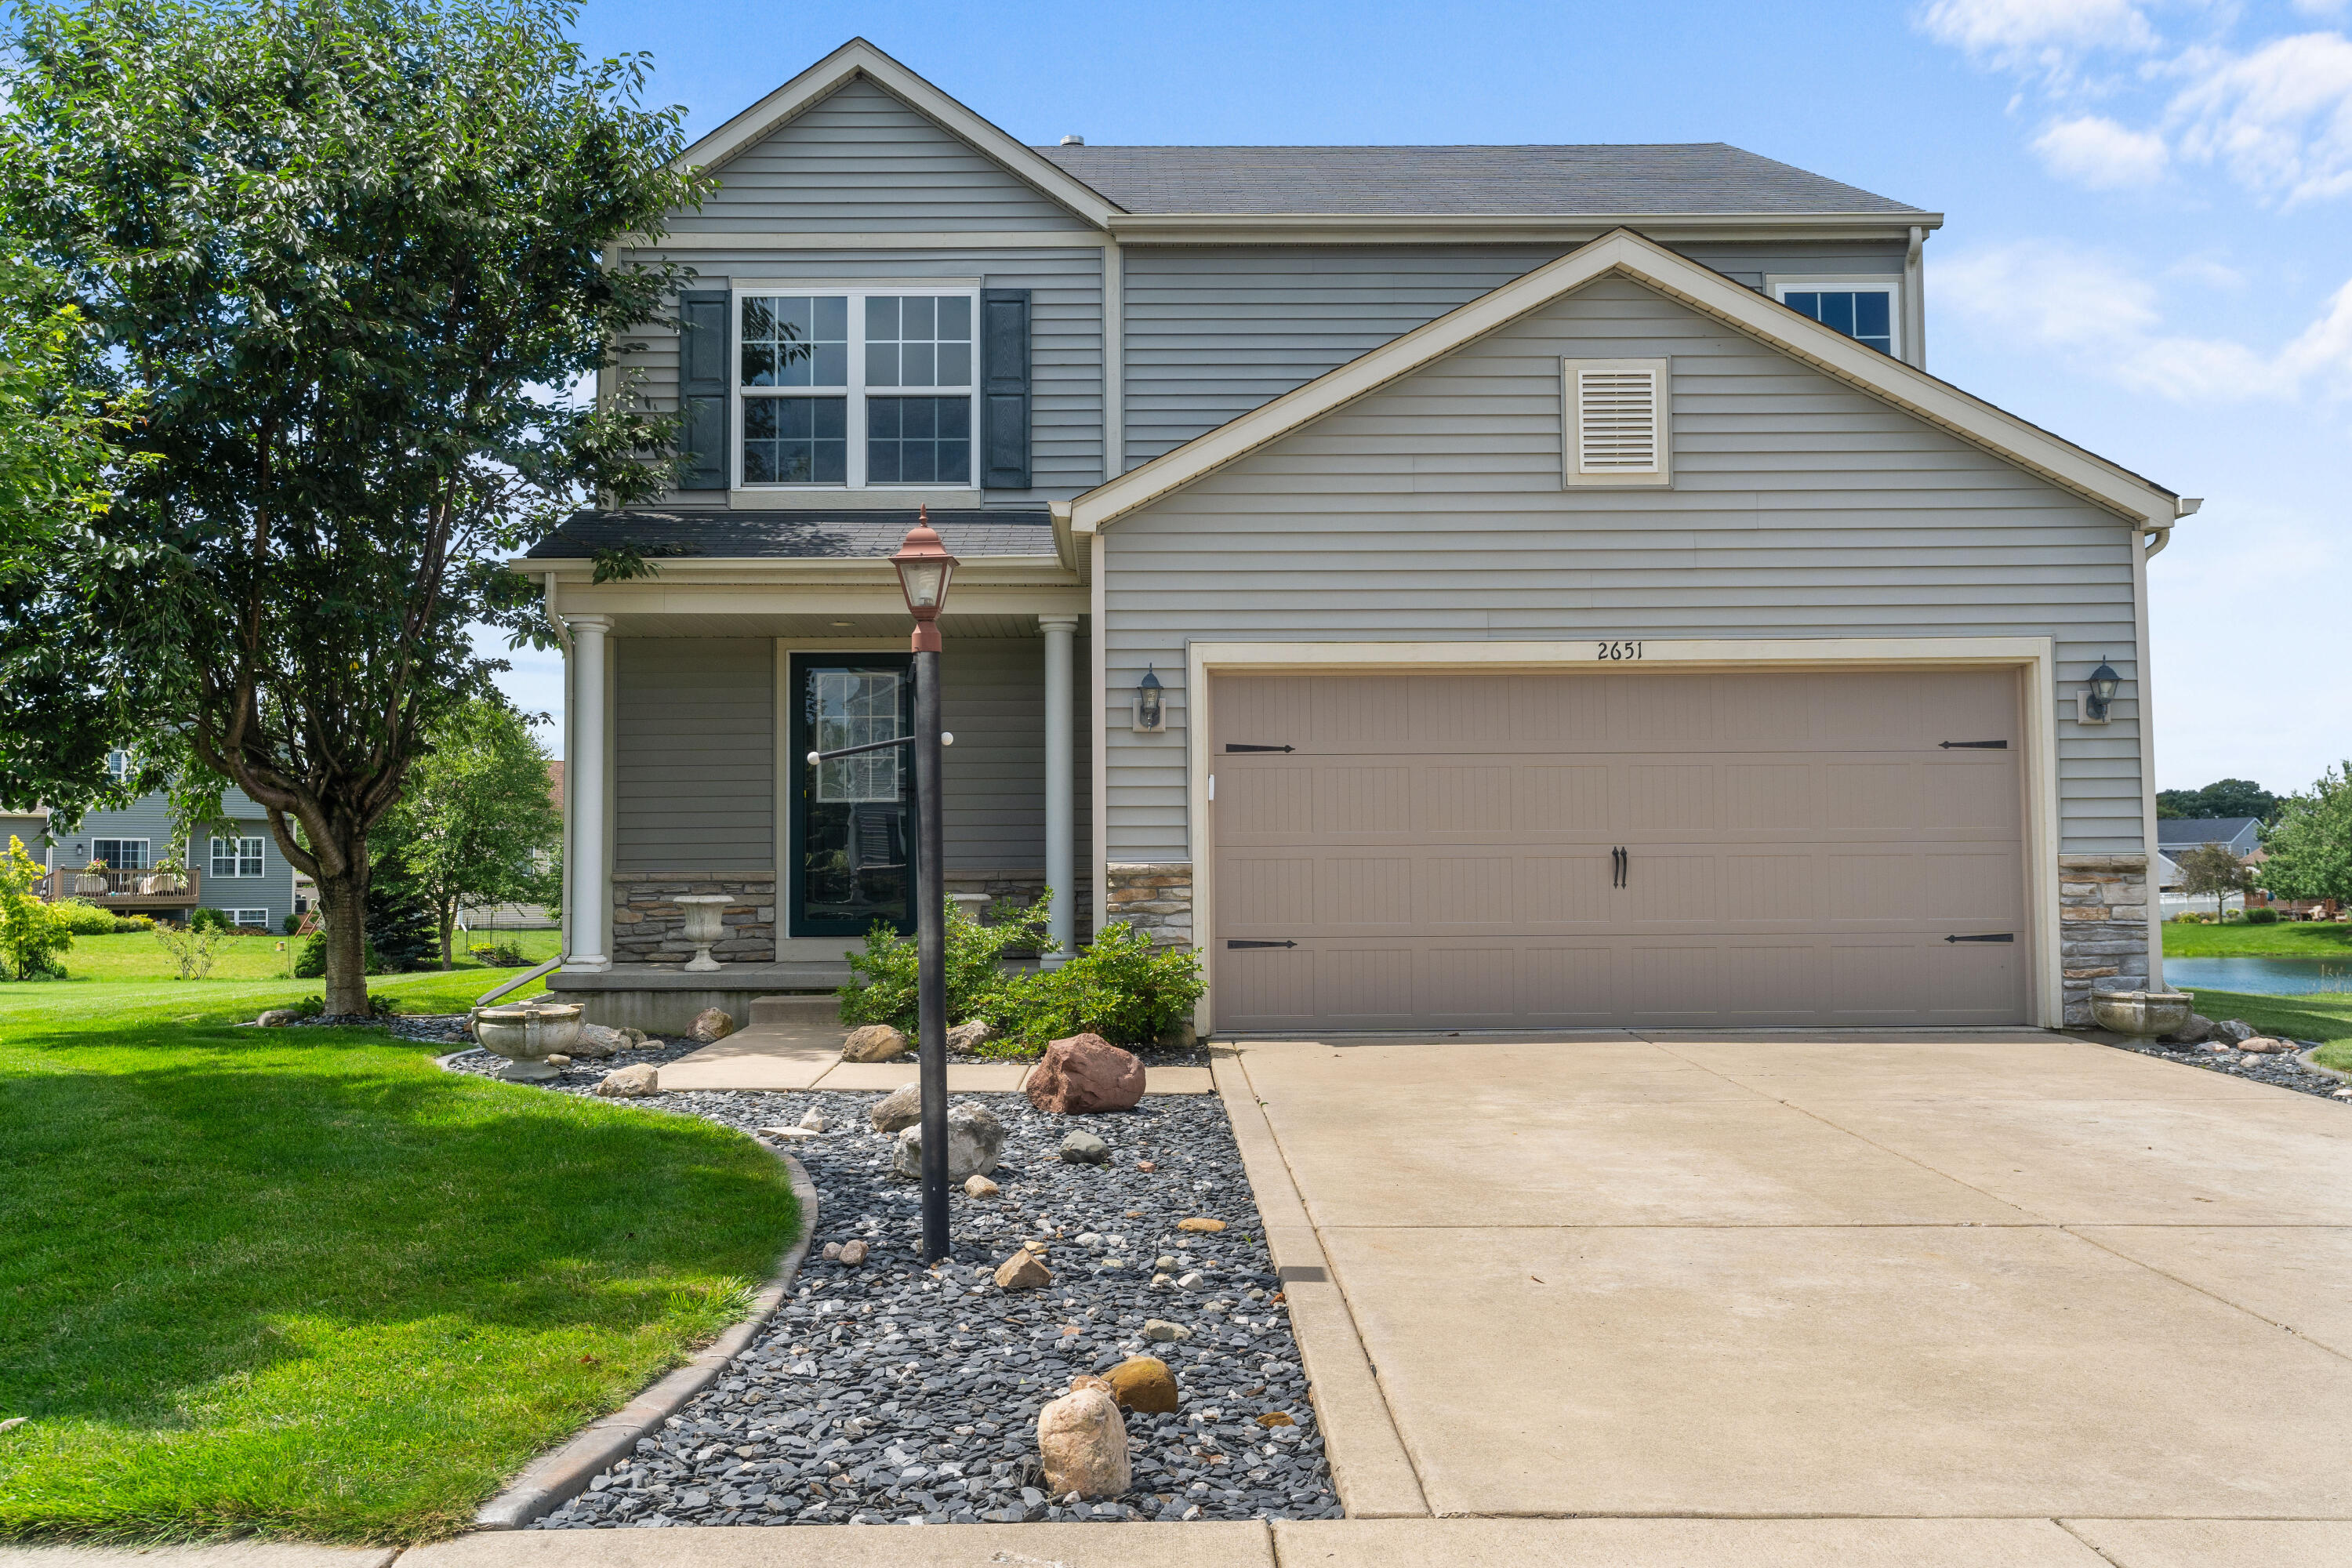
[702, 344]
[1004, 389]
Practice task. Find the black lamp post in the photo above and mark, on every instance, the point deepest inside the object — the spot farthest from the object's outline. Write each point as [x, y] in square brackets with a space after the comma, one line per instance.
[925, 569]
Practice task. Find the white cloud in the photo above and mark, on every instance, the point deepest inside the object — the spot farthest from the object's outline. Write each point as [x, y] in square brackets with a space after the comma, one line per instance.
[2042, 33]
[2320, 8]
[2279, 119]
[2110, 322]
[2094, 151]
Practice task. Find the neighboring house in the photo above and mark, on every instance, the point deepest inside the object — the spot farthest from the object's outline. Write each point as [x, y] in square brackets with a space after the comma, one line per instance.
[233, 865]
[2241, 836]
[1451, 587]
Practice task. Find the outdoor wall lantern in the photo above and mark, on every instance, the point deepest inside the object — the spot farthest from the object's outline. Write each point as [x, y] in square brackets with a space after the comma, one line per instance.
[1150, 703]
[2092, 702]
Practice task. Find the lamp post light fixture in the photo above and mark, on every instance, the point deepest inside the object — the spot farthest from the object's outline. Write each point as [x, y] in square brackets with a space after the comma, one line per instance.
[925, 570]
[2104, 683]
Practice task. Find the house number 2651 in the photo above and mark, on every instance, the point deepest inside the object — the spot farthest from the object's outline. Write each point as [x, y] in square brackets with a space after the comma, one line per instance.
[1614, 651]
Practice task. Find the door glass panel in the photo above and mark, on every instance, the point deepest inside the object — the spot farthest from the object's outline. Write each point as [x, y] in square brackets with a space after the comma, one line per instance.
[854, 865]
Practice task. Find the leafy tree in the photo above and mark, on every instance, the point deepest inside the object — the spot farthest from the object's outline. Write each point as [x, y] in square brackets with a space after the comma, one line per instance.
[344, 248]
[2310, 845]
[476, 824]
[31, 932]
[2223, 797]
[2211, 868]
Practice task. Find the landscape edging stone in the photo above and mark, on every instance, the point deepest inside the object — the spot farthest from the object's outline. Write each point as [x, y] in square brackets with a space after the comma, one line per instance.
[557, 1477]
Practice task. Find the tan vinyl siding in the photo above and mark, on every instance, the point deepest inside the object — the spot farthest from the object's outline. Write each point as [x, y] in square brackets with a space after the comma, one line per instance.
[1433, 511]
[1065, 339]
[860, 161]
[694, 750]
[1214, 332]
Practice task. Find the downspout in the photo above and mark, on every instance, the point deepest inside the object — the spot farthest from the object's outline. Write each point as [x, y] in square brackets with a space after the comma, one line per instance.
[563, 893]
[2161, 532]
[1915, 301]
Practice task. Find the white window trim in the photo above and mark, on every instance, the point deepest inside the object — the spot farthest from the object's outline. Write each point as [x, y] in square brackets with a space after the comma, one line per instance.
[858, 294]
[235, 856]
[1779, 287]
[146, 849]
[1572, 434]
[237, 916]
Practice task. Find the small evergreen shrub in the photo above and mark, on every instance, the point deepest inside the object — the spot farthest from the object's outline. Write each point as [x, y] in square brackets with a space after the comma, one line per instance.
[1122, 986]
[201, 919]
[290, 924]
[881, 988]
[2261, 917]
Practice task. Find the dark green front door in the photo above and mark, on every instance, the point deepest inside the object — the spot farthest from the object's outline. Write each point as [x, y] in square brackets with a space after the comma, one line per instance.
[853, 828]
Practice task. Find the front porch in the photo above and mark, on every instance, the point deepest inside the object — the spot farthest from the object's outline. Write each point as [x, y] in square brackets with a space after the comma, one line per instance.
[694, 695]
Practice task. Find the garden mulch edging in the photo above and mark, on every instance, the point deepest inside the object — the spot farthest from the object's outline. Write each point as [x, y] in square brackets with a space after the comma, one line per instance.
[557, 1477]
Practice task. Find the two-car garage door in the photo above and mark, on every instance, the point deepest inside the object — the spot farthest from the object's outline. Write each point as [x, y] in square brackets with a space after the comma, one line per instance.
[1565, 850]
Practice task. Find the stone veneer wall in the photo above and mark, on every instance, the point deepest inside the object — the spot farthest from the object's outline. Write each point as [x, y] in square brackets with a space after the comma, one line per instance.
[2103, 926]
[1156, 899]
[648, 926]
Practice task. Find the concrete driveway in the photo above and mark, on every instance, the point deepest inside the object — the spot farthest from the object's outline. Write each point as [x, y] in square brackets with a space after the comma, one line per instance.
[1967, 1277]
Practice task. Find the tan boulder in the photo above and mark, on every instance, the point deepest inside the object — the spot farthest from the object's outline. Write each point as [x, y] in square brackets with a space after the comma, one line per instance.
[969, 1035]
[1201, 1224]
[1082, 1438]
[1084, 1074]
[2266, 1044]
[596, 1041]
[853, 1253]
[899, 1109]
[1143, 1383]
[278, 1017]
[711, 1023]
[633, 1082]
[1022, 1271]
[979, 1187]
[873, 1043]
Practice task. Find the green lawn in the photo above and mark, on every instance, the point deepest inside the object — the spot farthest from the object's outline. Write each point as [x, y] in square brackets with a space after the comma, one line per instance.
[2288, 938]
[302, 1282]
[140, 956]
[2327, 1019]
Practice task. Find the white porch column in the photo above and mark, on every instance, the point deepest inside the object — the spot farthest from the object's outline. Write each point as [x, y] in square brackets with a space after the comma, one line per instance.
[1061, 822]
[592, 893]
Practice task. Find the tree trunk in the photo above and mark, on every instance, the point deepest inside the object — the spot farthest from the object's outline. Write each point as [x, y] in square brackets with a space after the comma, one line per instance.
[448, 925]
[342, 901]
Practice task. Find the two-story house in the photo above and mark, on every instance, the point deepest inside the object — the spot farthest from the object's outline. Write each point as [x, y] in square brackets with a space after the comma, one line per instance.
[1456, 587]
[117, 857]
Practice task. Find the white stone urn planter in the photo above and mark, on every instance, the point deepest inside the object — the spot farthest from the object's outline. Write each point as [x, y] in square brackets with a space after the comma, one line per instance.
[527, 1034]
[705, 924]
[2143, 1014]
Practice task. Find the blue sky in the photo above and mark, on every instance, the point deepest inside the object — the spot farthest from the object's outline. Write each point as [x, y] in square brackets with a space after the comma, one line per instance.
[2148, 244]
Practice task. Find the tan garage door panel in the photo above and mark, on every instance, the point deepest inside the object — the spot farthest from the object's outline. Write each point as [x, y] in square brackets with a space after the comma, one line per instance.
[1560, 850]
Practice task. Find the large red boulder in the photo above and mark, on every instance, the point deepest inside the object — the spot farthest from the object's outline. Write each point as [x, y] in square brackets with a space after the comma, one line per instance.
[1086, 1073]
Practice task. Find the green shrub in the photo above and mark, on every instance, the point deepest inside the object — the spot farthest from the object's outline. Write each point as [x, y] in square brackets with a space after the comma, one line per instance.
[499, 954]
[310, 958]
[2234, 918]
[881, 988]
[290, 924]
[2262, 917]
[315, 1005]
[1122, 986]
[208, 920]
[131, 925]
[83, 918]
[192, 949]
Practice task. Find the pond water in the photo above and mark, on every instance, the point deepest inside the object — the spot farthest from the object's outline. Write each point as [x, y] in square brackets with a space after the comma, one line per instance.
[2261, 976]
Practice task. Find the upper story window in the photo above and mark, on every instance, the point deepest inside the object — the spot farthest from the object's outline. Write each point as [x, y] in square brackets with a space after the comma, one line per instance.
[1867, 309]
[237, 857]
[118, 765]
[857, 388]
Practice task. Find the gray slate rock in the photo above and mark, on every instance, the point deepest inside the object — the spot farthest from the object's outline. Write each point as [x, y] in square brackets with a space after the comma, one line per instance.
[1084, 1148]
[975, 1140]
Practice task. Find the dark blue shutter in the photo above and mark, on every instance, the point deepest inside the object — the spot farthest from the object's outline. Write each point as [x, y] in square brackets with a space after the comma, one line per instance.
[1004, 389]
[702, 340]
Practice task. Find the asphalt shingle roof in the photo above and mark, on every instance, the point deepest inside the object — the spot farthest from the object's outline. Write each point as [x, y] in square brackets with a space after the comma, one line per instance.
[810, 535]
[2188, 832]
[1698, 177]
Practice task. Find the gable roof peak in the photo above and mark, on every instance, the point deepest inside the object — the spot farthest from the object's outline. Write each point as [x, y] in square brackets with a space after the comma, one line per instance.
[859, 59]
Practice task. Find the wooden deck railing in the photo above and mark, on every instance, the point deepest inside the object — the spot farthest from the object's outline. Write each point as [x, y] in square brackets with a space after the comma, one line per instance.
[143, 889]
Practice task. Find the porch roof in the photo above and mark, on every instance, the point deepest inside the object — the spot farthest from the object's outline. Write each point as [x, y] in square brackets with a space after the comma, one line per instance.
[864, 533]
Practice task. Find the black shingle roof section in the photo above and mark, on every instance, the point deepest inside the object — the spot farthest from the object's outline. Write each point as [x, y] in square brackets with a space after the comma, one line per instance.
[1698, 178]
[806, 535]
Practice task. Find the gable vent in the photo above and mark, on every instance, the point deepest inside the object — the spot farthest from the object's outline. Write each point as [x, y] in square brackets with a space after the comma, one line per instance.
[1616, 422]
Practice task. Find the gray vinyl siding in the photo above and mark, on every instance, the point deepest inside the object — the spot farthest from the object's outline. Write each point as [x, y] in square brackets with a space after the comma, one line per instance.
[694, 755]
[1065, 344]
[1214, 332]
[1433, 511]
[694, 748]
[150, 817]
[860, 161]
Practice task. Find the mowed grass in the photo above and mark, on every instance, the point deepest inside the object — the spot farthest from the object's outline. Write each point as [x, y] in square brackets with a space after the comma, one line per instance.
[140, 956]
[2287, 939]
[302, 1282]
[2325, 1018]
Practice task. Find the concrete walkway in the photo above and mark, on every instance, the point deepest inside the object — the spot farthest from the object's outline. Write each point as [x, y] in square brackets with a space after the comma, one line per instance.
[795, 1043]
[1977, 1276]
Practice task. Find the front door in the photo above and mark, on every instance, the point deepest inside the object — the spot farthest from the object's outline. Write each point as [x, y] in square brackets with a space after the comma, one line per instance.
[853, 827]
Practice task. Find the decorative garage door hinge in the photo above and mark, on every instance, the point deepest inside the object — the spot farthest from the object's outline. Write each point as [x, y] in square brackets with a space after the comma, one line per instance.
[1230, 943]
[1973, 745]
[1230, 747]
[1997, 936]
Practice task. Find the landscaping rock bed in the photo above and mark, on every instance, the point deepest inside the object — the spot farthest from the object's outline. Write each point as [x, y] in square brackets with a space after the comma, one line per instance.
[885, 1392]
[2277, 1067]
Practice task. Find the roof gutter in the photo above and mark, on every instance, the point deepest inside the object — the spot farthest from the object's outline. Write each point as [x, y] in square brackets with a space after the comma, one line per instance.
[2162, 535]
[1346, 228]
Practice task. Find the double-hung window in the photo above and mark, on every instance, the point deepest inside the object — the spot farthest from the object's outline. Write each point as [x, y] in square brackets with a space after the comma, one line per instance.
[856, 389]
[237, 857]
[1867, 309]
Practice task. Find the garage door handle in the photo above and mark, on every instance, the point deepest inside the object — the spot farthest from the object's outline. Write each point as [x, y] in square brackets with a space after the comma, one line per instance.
[1997, 936]
[1621, 867]
[1233, 944]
